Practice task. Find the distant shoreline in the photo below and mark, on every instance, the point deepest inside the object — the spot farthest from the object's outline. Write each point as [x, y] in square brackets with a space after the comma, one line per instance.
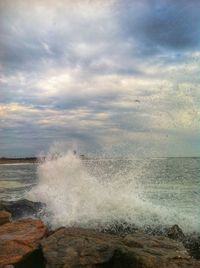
[31, 160]
[13, 160]
[5, 160]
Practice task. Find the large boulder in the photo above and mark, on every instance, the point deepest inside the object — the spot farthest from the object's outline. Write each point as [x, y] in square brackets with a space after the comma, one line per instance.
[69, 247]
[20, 239]
[4, 217]
[22, 208]
[75, 248]
[147, 251]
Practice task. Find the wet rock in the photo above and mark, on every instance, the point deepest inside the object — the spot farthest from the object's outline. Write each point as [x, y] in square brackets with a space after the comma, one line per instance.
[176, 233]
[74, 247]
[22, 208]
[18, 240]
[152, 252]
[120, 228]
[192, 243]
[5, 217]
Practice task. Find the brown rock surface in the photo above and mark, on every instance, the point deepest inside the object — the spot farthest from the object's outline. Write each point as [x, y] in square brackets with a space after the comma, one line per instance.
[19, 239]
[75, 248]
[153, 252]
[4, 217]
[69, 247]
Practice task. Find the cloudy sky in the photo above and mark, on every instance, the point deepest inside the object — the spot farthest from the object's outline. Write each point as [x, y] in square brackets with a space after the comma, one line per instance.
[105, 77]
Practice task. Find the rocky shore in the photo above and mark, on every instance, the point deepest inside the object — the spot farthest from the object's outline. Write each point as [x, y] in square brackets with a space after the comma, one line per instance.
[26, 242]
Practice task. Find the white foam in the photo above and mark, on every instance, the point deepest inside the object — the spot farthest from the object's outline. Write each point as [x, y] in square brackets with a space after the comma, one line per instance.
[74, 197]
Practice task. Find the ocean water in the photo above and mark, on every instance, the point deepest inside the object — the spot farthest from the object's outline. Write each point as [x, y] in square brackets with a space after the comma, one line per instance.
[99, 192]
[16, 180]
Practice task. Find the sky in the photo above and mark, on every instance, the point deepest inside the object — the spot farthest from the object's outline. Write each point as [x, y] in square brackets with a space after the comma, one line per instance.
[107, 77]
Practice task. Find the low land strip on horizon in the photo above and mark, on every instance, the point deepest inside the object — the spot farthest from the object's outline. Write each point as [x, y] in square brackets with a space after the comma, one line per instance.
[5, 160]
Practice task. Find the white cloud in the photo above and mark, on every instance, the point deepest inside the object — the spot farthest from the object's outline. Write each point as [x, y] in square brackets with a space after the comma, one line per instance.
[77, 69]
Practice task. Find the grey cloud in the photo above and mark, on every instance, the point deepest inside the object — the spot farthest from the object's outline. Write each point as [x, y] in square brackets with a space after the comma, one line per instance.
[30, 38]
[162, 24]
[150, 26]
[127, 40]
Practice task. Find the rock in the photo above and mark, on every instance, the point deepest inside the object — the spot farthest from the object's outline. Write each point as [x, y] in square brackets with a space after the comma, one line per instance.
[120, 228]
[75, 247]
[71, 247]
[22, 208]
[4, 217]
[20, 239]
[176, 233]
[34, 260]
[192, 243]
[147, 251]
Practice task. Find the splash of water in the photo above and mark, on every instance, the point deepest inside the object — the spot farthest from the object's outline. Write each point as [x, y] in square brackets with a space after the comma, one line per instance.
[75, 197]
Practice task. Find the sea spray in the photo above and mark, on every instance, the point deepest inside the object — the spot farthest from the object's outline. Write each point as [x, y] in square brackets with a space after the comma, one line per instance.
[79, 193]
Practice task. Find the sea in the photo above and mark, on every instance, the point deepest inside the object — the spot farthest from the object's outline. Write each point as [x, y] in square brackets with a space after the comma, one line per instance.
[100, 192]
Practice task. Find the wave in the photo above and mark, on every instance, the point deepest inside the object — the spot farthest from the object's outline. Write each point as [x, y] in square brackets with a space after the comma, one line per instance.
[75, 196]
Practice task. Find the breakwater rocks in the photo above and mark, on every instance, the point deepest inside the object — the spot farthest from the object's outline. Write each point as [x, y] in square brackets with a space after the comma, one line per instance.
[5, 217]
[27, 243]
[18, 240]
[72, 247]
[22, 208]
